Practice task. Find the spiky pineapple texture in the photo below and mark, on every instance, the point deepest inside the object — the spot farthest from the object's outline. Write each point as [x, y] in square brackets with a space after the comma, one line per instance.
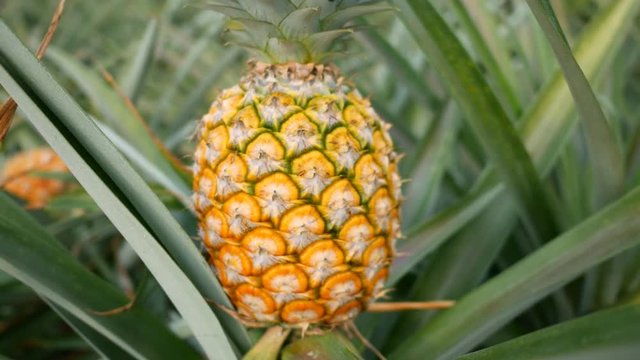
[18, 178]
[297, 192]
[302, 31]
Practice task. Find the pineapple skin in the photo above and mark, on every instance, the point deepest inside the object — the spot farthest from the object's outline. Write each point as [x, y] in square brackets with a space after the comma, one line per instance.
[297, 194]
[16, 179]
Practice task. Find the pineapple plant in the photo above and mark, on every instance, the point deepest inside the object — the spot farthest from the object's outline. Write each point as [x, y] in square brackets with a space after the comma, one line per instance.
[565, 285]
[20, 177]
[295, 175]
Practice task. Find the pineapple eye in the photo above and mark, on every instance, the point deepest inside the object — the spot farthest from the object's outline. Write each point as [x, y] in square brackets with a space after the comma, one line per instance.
[302, 311]
[285, 278]
[341, 285]
[346, 311]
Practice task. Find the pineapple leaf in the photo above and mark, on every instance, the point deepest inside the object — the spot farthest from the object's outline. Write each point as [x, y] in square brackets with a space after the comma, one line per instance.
[433, 157]
[483, 311]
[115, 112]
[504, 87]
[484, 114]
[279, 50]
[328, 346]
[272, 11]
[228, 8]
[122, 194]
[318, 43]
[299, 23]
[100, 343]
[606, 154]
[425, 238]
[133, 78]
[613, 333]
[345, 14]
[546, 126]
[64, 281]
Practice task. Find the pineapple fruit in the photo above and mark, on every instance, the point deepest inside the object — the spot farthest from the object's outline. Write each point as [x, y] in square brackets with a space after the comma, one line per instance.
[295, 175]
[17, 176]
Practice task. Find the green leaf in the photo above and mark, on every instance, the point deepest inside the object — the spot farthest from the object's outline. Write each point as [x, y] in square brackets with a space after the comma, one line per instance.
[189, 109]
[503, 86]
[203, 44]
[483, 111]
[138, 69]
[328, 346]
[402, 69]
[425, 238]
[114, 110]
[433, 156]
[100, 343]
[31, 255]
[343, 15]
[546, 126]
[268, 348]
[607, 159]
[483, 311]
[458, 266]
[611, 334]
[122, 195]
[149, 169]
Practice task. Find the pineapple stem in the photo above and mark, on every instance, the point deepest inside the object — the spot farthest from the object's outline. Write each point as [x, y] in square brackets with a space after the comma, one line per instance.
[402, 306]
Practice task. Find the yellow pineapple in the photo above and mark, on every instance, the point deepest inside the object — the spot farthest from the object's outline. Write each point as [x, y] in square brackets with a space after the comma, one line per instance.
[18, 178]
[295, 177]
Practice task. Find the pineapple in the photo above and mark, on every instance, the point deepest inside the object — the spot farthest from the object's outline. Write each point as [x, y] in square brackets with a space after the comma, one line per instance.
[295, 177]
[17, 178]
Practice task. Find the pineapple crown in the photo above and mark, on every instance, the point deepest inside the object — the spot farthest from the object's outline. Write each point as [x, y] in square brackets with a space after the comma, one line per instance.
[280, 31]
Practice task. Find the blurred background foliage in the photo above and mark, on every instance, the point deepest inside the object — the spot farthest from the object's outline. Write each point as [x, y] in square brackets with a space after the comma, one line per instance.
[170, 60]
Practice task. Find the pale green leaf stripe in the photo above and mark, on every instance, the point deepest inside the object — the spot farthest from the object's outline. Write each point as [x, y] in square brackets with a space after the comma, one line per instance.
[547, 123]
[134, 189]
[543, 129]
[483, 111]
[483, 311]
[152, 172]
[133, 79]
[31, 255]
[604, 150]
[610, 334]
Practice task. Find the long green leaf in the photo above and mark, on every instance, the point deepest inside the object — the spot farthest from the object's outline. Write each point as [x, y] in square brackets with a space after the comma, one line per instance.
[114, 110]
[503, 86]
[547, 124]
[426, 238]
[604, 150]
[133, 78]
[483, 311]
[120, 192]
[31, 255]
[433, 156]
[402, 69]
[100, 343]
[611, 334]
[466, 267]
[483, 112]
